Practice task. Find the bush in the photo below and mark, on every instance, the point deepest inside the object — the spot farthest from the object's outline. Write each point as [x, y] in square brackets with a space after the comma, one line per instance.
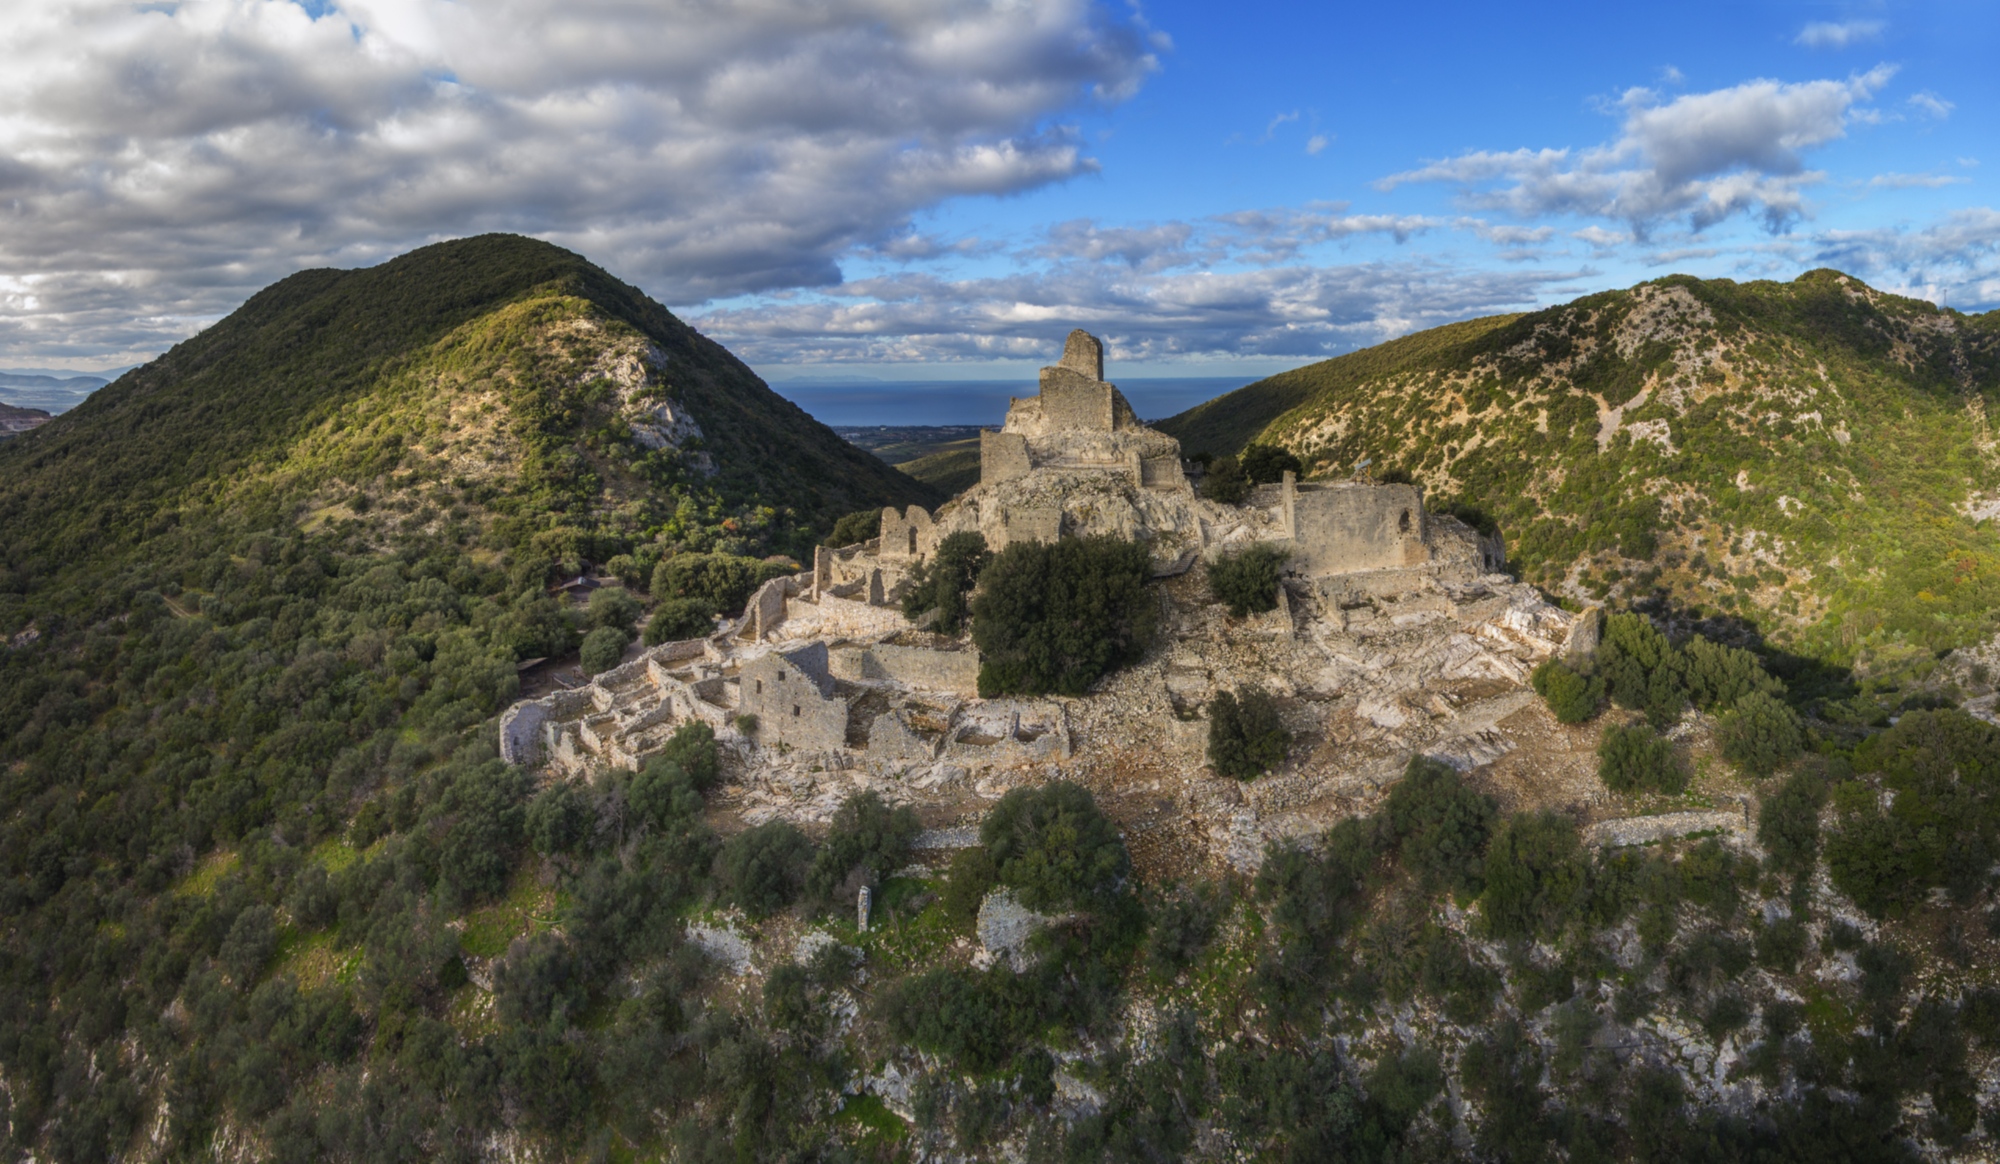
[1245, 736]
[692, 749]
[970, 879]
[613, 606]
[763, 869]
[1788, 822]
[558, 820]
[1057, 617]
[724, 581]
[1636, 759]
[1267, 464]
[855, 528]
[1440, 825]
[1053, 846]
[1225, 481]
[1759, 733]
[662, 794]
[678, 619]
[1641, 669]
[602, 649]
[1184, 927]
[1571, 695]
[942, 583]
[252, 939]
[1535, 875]
[868, 839]
[1248, 582]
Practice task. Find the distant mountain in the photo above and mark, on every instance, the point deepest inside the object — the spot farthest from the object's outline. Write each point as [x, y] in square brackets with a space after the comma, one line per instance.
[498, 383]
[1814, 458]
[15, 421]
[52, 391]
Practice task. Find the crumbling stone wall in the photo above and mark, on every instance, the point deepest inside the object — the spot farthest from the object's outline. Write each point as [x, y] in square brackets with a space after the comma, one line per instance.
[905, 536]
[918, 668]
[1003, 456]
[1344, 528]
[792, 696]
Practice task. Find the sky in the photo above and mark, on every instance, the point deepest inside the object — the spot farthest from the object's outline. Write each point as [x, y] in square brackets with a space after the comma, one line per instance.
[931, 191]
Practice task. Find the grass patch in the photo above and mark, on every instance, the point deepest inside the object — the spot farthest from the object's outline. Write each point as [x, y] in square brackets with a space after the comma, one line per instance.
[872, 1119]
[207, 875]
[528, 908]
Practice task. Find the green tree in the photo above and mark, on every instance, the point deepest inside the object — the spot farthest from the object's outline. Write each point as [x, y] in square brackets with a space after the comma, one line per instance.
[1225, 481]
[613, 606]
[942, 583]
[1572, 696]
[1247, 582]
[678, 619]
[558, 820]
[725, 581]
[1245, 736]
[1441, 826]
[869, 839]
[1054, 618]
[763, 869]
[1055, 847]
[1267, 464]
[1759, 734]
[1535, 875]
[855, 528]
[1788, 822]
[602, 648]
[1637, 759]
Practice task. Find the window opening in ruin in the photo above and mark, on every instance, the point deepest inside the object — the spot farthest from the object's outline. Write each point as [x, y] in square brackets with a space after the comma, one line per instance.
[760, 687]
[795, 711]
[1403, 524]
[913, 539]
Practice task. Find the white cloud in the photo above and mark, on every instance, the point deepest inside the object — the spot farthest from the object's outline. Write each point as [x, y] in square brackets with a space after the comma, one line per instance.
[1828, 34]
[157, 162]
[1318, 142]
[1958, 256]
[1916, 181]
[1600, 238]
[1705, 156]
[1931, 105]
[1298, 310]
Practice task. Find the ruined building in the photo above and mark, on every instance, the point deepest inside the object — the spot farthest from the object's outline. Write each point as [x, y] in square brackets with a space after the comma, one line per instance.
[1394, 633]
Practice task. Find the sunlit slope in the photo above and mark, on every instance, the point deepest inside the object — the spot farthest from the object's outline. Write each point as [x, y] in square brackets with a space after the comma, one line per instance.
[496, 379]
[1809, 456]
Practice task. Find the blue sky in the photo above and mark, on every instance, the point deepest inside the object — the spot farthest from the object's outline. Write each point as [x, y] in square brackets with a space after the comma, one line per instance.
[887, 188]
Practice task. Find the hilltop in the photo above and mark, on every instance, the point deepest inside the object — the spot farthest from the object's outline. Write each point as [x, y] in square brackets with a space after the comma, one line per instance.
[1810, 459]
[497, 387]
[15, 421]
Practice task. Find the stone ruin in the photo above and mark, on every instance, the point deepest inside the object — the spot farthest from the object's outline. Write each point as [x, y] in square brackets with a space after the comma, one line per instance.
[1395, 634]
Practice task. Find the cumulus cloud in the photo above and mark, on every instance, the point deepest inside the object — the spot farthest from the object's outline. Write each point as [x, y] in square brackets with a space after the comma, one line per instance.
[1296, 310]
[1702, 156]
[1830, 34]
[159, 161]
[1956, 257]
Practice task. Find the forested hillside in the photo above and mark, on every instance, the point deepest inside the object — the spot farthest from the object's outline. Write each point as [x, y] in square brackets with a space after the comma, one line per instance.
[1811, 458]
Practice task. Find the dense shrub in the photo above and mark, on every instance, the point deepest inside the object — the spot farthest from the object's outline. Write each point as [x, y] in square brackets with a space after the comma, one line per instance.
[1441, 826]
[693, 750]
[868, 840]
[602, 649]
[942, 583]
[854, 528]
[1247, 582]
[724, 581]
[1535, 875]
[1572, 696]
[1939, 831]
[1267, 464]
[1641, 669]
[763, 869]
[1637, 759]
[1788, 822]
[1055, 618]
[613, 606]
[1183, 927]
[1245, 736]
[1054, 847]
[1759, 733]
[558, 819]
[971, 877]
[678, 619]
[1225, 481]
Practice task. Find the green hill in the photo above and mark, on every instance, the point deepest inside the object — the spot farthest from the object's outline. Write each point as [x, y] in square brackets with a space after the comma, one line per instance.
[1808, 457]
